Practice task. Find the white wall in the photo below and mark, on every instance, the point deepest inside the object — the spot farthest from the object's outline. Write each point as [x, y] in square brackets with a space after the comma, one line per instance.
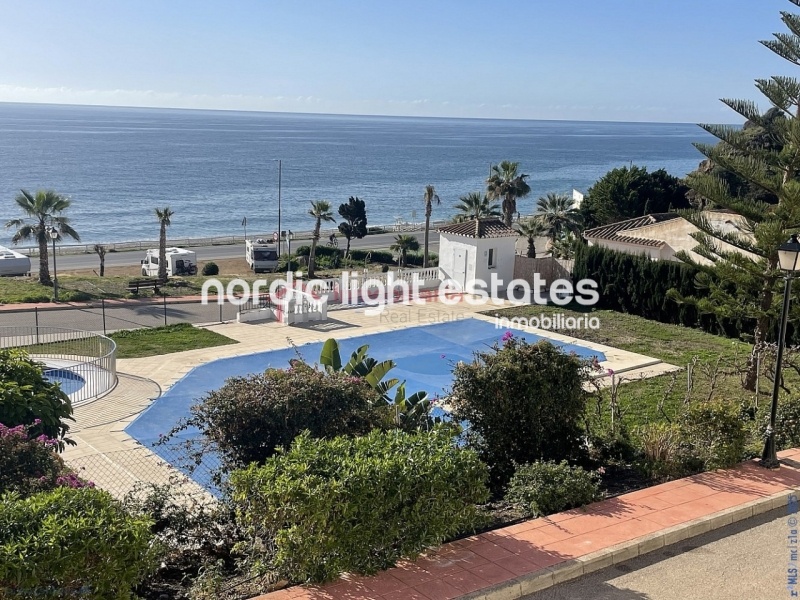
[477, 257]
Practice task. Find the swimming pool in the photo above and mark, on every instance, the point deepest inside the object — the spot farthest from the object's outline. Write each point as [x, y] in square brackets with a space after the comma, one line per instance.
[425, 356]
[69, 381]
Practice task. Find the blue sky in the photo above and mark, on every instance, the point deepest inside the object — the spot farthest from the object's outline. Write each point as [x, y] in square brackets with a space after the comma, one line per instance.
[619, 60]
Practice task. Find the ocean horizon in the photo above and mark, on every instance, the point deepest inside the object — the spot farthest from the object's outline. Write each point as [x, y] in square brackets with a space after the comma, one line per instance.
[216, 167]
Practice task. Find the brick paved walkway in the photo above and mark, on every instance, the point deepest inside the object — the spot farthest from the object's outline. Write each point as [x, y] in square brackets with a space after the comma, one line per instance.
[524, 558]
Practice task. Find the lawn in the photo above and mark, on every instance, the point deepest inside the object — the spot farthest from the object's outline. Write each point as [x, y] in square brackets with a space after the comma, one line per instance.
[165, 340]
[659, 398]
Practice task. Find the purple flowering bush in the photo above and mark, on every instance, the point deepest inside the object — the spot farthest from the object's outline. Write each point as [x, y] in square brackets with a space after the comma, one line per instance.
[27, 397]
[29, 463]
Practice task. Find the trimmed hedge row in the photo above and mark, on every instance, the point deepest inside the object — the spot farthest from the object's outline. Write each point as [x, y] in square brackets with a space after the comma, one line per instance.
[358, 505]
[72, 543]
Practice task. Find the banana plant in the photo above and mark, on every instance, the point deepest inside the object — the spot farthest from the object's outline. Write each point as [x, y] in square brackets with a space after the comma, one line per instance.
[408, 409]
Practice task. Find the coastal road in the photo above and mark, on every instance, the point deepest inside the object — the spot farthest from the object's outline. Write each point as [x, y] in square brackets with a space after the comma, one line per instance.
[744, 561]
[74, 262]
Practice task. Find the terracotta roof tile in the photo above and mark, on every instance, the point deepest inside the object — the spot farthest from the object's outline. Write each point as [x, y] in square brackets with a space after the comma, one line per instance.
[480, 228]
[614, 231]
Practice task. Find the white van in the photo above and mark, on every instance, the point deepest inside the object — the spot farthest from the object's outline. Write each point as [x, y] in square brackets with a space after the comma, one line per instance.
[179, 262]
[13, 264]
[261, 255]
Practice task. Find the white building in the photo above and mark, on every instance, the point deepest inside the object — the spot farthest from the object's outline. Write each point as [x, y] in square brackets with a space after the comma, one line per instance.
[660, 236]
[473, 250]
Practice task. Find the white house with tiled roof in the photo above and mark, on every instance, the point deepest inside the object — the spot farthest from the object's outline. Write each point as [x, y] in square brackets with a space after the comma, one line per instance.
[474, 249]
[661, 236]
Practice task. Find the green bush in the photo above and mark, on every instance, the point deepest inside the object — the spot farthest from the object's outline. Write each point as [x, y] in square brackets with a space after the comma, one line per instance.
[544, 488]
[787, 422]
[29, 464]
[415, 259]
[524, 402]
[288, 262]
[249, 417]
[359, 504]
[321, 252]
[26, 396]
[71, 543]
[714, 434]
[375, 256]
[210, 269]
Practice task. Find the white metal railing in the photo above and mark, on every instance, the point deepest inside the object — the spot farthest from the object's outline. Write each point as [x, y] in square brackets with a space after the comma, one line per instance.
[81, 358]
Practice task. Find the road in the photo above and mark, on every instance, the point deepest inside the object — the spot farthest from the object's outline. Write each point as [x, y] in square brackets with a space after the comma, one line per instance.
[74, 262]
[744, 561]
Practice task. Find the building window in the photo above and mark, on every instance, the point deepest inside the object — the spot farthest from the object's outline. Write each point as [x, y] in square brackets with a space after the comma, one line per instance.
[492, 258]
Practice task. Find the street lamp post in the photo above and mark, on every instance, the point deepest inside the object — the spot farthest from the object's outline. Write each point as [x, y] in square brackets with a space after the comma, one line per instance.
[53, 233]
[789, 260]
[280, 232]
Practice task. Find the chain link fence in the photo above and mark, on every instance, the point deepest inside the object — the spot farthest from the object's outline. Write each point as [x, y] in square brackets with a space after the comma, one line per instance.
[108, 316]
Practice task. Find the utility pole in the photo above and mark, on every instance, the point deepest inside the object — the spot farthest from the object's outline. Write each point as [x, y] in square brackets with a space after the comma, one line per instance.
[280, 235]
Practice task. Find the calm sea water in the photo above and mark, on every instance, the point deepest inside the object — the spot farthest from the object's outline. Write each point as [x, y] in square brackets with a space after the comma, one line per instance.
[213, 168]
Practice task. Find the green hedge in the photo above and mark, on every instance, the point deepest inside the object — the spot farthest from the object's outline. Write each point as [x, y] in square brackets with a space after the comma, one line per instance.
[638, 285]
[359, 504]
[72, 543]
[544, 488]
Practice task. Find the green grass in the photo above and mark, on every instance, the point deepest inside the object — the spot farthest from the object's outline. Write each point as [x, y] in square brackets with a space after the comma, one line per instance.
[165, 340]
[83, 288]
[640, 399]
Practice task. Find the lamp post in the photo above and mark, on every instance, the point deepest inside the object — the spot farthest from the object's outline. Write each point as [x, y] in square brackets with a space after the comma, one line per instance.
[53, 233]
[280, 232]
[789, 260]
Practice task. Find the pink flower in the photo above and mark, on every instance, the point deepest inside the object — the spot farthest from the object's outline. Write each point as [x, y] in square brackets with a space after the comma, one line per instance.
[601, 470]
[443, 355]
[610, 371]
[507, 336]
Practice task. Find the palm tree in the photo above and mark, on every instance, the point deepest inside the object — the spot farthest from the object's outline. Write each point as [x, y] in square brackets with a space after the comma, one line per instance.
[559, 214]
[403, 244]
[531, 229]
[429, 197]
[475, 206]
[564, 245]
[321, 211]
[504, 183]
[101, 250]
[45, 210]
[163, 215]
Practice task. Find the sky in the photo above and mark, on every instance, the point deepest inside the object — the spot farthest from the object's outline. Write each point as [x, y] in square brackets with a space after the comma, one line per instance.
[607, 60]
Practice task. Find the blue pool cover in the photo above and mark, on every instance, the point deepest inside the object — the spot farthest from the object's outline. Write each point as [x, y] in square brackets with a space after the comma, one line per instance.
[425, 356]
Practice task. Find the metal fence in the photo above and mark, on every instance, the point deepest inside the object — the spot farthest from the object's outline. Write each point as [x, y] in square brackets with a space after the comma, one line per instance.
[105, 316]
[83, 362]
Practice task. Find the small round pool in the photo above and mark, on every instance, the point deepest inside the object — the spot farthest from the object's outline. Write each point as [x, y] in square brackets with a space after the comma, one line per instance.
[69, 381]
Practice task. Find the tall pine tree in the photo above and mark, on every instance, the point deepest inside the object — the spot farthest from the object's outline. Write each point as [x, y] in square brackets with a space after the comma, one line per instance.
[744, 286]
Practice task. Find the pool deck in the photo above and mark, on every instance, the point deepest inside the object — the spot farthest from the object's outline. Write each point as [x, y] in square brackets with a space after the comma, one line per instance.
[108, 455]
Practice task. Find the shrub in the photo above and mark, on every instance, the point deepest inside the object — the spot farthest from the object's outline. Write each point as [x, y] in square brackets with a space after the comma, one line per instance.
[714, 434]
[71, 543]
[660, 447]
[375, 256]
[249, 417]
[29, 464]
[360, 504]
[27, 397]
[524, 403]
[322, 251]
[415, 259]
[544, 488]
[210, 269]
[288, 262]
[787, 422]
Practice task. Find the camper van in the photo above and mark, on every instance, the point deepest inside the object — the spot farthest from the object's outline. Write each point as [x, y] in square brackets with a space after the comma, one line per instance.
[179, 262]
[13, 263]
[261, 255]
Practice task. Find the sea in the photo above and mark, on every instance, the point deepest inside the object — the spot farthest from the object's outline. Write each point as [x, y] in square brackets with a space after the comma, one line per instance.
[218, 170]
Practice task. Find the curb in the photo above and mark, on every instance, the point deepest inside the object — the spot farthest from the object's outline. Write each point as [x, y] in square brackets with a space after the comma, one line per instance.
[572, 569]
